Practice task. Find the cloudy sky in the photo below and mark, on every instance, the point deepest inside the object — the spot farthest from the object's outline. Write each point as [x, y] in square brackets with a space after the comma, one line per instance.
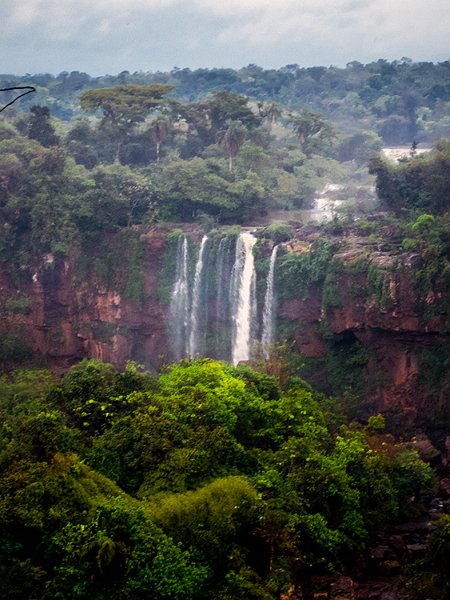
[109, 36]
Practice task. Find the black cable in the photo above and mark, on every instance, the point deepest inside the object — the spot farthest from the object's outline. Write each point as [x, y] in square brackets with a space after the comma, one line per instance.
[30, 89]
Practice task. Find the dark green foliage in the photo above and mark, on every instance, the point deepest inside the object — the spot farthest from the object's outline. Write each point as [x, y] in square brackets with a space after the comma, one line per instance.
[330, 289]
[435, 365]
[211, 481]
[121, 554]
[118, 264]
[429, 577]
[402, 99]
[299, 271]
[312, 131]
[430, 235]
[378, 286]
[14, 350]
[417, 183]
[39, 127]
[342, 371]
[278, 232]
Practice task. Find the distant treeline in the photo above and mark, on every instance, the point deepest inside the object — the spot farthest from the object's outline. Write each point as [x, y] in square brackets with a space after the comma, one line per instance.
[400, 100]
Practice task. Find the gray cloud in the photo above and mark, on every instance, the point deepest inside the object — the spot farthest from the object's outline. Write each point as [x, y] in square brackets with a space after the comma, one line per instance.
[100, 36]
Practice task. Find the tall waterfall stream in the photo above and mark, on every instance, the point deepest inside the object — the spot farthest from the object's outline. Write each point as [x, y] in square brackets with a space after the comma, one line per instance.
[213, 309]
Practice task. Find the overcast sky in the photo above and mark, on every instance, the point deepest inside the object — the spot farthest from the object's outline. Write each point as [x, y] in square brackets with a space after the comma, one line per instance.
[109, 36]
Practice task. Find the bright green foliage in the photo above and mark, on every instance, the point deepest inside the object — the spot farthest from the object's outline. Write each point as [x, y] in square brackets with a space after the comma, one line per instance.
[203, 391]
[209, 518]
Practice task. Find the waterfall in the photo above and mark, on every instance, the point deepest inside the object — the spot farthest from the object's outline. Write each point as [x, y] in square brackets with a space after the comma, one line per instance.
[269, 307]
[179, 302]
[196, 301]
[213, 304]
[243, 298]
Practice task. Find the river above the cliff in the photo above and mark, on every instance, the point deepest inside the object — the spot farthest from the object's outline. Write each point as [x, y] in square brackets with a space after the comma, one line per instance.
[334, 200]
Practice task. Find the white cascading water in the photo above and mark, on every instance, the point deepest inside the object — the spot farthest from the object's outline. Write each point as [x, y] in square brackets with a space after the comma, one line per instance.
[220, 267]
[243, 298]
[179, 302]
[196, 301]
[269, 311]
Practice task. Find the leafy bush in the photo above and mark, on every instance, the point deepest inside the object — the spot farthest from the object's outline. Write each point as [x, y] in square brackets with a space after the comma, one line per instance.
[279, 232]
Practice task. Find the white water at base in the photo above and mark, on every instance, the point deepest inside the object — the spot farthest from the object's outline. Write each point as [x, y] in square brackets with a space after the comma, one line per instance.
[179, 302]
[196, 299]
[269, 307]
[243, 298]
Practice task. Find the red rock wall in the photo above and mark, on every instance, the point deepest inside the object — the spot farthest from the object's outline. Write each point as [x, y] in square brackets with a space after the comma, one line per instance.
[69, 320]
[395, 333]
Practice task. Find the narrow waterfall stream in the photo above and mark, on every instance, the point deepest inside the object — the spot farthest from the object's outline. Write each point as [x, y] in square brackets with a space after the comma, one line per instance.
[196, 301]
[179, 302]
[224, 266]
[269, 310]
[243, 298]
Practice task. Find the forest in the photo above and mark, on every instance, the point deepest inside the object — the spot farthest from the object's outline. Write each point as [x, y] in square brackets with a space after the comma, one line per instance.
[267, 479]
[208, 481]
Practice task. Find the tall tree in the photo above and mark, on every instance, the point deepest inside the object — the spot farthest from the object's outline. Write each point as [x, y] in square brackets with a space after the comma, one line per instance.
[270, 112]
[124, 106]
[231, 140]
[311, 130]
[159, 131]
[40, 128]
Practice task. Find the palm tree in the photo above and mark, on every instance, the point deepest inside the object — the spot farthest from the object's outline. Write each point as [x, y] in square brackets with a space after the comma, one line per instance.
[310, 128]
[159, 131]
[270, 111]
[231, 140]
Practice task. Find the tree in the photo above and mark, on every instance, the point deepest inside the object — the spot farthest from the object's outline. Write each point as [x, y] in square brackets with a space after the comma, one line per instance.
[270, 111]
[209, 117]
[231, 140]
[159, 130]
[311, 129]
[40, 128]
[124, 106]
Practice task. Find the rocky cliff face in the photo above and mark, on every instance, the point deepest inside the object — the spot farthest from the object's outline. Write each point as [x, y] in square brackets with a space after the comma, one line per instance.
[67, 317]
[398, 325]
